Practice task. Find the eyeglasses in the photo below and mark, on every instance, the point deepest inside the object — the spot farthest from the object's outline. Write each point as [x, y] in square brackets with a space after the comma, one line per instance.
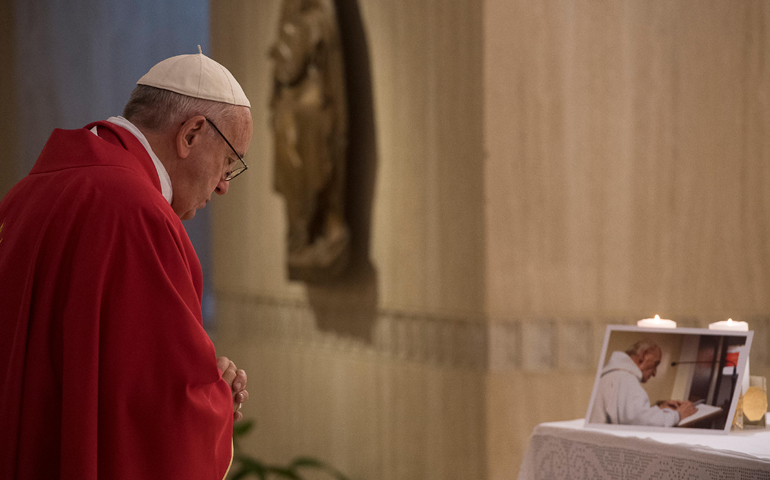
[238, 170]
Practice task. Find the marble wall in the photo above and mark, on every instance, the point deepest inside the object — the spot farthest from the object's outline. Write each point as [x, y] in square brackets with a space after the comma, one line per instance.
[628, 153]
[522, 174]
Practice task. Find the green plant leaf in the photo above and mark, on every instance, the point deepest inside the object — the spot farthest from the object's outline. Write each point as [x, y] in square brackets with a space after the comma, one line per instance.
[307, 462]
[243, 473]
[249, 466]
[310, 462]
[286, 472]
[245, 465]
[242, 428]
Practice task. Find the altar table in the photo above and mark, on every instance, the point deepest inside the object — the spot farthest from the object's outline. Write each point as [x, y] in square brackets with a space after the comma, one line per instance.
[568, 450]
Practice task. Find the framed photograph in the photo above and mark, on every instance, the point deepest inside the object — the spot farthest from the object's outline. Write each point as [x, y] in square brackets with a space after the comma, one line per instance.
[688, 379]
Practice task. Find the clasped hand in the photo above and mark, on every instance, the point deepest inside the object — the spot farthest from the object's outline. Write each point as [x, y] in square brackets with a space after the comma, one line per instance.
[236, 378]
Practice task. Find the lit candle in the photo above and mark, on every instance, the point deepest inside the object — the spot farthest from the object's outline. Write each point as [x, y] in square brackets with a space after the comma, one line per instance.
[729, 325]
[656, 322]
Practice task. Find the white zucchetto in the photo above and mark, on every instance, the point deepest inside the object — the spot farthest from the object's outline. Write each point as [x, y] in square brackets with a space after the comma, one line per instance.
[196, 76]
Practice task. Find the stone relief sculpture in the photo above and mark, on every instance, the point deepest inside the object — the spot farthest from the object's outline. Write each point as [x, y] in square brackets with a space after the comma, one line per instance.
[309, 119]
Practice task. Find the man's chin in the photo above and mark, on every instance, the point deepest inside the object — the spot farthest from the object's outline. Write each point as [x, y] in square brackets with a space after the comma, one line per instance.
[191, 213]
[188, 215]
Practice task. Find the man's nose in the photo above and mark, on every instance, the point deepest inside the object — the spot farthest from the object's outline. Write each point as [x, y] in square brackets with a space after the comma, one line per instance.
[222, 187]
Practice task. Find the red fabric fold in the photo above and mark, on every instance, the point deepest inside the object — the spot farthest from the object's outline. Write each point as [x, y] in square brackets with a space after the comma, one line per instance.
[105, 369]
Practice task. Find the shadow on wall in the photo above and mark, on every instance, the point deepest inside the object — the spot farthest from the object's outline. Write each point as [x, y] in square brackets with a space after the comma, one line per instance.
[347, 306]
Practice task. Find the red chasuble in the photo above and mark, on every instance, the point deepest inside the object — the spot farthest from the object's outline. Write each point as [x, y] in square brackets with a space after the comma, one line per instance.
[105, 369]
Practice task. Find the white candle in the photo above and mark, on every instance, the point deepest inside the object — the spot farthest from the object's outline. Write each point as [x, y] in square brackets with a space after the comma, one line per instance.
[729, 324]
[656, 322]
[736, 327]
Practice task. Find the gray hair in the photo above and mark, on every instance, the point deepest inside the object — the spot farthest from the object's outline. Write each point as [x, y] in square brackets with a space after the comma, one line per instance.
[157, 109]
[642, 346]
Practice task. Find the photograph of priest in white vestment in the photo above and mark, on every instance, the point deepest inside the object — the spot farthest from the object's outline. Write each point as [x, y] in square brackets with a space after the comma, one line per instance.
[686, 378]
[620, 398]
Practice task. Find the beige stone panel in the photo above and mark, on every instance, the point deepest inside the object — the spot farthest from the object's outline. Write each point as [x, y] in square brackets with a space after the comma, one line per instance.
[517, 402]
[370, 417]
[427, 221]
[695, 183]
[627, 152]
[526, 181]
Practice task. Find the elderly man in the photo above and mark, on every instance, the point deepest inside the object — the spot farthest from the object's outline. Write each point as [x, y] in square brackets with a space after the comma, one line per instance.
[105, 369]
[620, 398]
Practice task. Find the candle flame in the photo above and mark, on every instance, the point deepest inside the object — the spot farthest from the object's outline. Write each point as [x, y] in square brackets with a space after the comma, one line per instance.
[657, 318]
[729, 320]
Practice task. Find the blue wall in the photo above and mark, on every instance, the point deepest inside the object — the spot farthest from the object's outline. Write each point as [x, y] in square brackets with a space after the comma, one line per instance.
[78, 60]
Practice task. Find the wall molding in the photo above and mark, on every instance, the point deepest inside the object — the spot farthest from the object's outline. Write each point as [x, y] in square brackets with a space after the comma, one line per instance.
[535, 344]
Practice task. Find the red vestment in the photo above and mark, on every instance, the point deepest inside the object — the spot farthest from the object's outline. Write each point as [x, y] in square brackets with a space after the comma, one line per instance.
[105, 369]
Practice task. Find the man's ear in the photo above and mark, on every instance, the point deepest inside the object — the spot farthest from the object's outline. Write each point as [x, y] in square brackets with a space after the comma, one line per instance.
[189, 135]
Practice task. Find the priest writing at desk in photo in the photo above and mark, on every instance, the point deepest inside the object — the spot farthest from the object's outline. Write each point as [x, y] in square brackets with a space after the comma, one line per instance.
[620, 397]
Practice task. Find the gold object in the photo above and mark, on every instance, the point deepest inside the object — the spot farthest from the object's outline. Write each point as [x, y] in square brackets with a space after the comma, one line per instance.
[754, 404]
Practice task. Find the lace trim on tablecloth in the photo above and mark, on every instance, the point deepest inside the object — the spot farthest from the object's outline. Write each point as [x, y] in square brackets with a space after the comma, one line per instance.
[556, 453]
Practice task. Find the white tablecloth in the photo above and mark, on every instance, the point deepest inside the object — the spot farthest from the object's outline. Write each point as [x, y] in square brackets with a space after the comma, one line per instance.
[567, 450]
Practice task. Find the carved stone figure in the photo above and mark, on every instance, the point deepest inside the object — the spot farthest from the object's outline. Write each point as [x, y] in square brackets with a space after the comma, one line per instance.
[309, 117]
